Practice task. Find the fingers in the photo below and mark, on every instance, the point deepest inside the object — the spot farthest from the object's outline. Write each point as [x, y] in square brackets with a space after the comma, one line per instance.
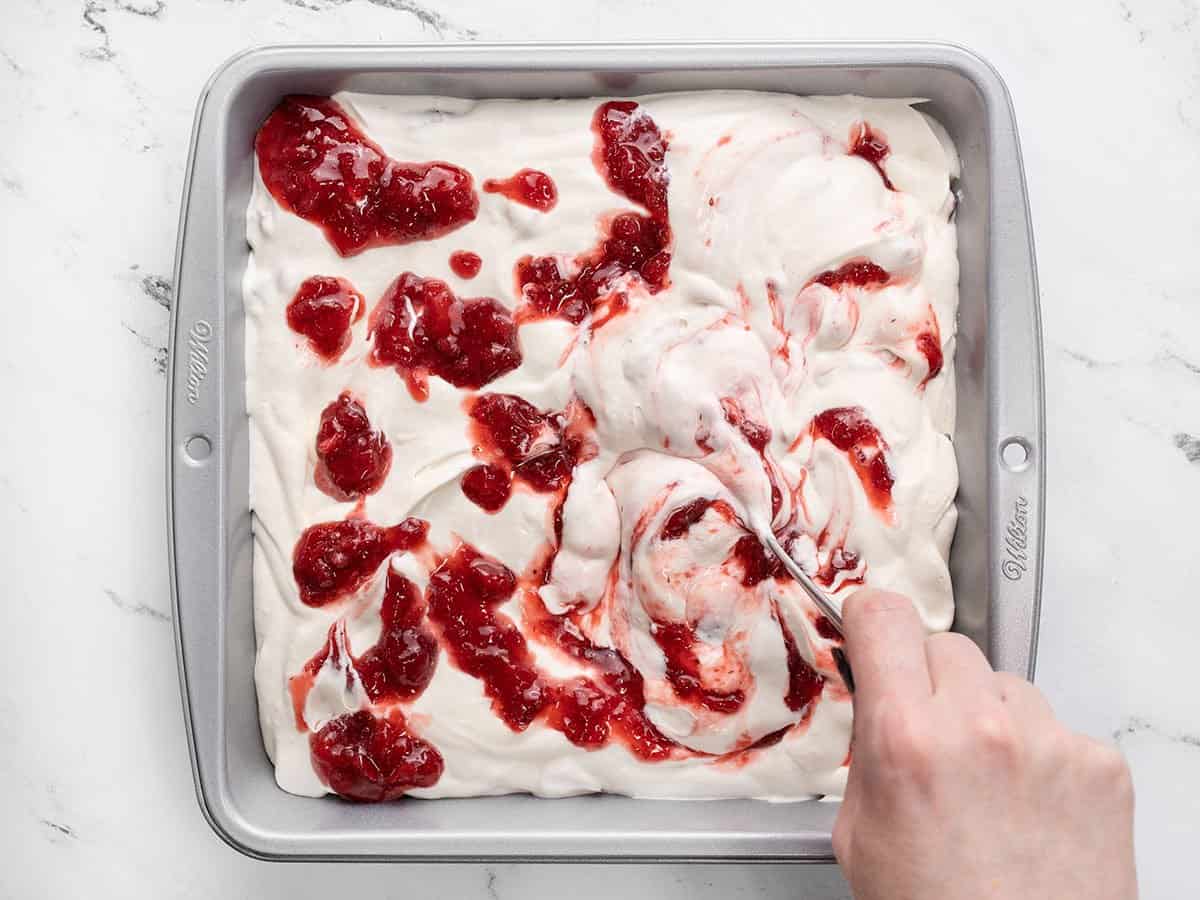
[958, 666]
[885, 641]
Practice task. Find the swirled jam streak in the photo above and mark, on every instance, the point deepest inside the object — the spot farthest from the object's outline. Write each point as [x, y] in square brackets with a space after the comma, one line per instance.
[867, 143]
[849, 429]
[464, 594]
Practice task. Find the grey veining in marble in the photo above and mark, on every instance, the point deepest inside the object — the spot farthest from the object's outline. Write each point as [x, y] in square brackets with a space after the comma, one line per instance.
[96, 102]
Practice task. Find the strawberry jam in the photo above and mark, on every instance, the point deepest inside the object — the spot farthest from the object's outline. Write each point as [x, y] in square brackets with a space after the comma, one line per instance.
[849, 429]
[369, 758]
[334, 559]
[528, 187]
[323, 311]
[317, 163]
[353, 458]
[420, 328]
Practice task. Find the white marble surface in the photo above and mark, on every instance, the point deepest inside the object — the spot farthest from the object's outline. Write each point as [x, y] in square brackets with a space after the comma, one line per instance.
[96, 102]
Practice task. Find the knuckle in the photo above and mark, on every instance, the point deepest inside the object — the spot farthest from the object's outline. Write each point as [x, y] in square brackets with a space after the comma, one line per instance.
[870, 602]
[1103, 769]
[1058, 747]
[1112, 770]
[992, 732]
[952, 640]
[904, 745]
[1077, 751]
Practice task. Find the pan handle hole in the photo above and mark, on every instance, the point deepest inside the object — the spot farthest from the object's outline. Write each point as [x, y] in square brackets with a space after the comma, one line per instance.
[197, 448]
[1015, 454]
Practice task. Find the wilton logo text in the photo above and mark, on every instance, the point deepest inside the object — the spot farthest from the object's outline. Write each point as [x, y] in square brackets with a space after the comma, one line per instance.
[197, 358]
[1016, 542]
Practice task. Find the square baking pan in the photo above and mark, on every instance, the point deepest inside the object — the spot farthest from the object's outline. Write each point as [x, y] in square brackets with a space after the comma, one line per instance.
[996, 558]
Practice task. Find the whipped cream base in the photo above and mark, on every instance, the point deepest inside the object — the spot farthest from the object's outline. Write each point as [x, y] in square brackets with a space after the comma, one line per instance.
[763, 197]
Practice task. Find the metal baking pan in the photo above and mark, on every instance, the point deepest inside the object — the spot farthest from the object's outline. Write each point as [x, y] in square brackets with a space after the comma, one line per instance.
[996, 559]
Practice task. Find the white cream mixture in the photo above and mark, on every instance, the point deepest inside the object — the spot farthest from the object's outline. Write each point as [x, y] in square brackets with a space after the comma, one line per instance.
[763, 198]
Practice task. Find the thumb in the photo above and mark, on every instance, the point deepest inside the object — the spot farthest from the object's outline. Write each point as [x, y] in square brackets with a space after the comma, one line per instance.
[885, 641]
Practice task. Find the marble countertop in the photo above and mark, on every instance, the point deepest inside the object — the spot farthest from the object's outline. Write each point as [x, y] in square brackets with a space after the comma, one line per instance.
[97, 106]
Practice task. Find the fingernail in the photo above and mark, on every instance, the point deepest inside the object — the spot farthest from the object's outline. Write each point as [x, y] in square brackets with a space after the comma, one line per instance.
[843, 667]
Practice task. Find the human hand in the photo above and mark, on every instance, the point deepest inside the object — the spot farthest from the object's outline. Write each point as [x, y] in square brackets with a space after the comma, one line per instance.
[963, 785]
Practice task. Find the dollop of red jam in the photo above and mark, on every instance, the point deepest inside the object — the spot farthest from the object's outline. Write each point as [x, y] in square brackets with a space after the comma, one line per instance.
[317, 163]
[323, 310]
[549, 471]
[463, 595]
[631, 154]
[536, 446]
[400, 665]
[804, 682]
[487, 486]
[860, 273]
[680, 521]
[368, 758]
[590, 716]
[334, 559]
[872, 146]
[584, 713]
[512, 426]
[353, 458]
[465, 264]
[826, 629]
[849, 429]
[529, 187]
[420, 327]
[678, 643]
[633, 243]
[757, 562]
